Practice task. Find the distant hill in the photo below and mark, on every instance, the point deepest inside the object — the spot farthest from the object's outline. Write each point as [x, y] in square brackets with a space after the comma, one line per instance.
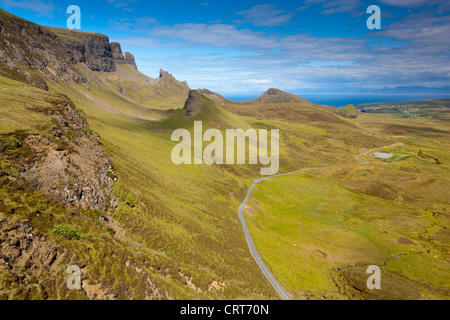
[276, 96]
[349, 110]
[270, 96]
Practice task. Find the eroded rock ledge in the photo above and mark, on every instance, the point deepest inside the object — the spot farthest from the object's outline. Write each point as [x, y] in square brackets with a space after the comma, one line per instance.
[70, 165]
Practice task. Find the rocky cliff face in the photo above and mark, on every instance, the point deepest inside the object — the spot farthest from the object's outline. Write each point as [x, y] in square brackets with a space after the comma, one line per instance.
[120, 58]
[116, 51]
[72, 168]
[129, 59]
[27, 51]
[198, 104]
[66, 163]
[94, 50]
[30, 53]
[193, 105]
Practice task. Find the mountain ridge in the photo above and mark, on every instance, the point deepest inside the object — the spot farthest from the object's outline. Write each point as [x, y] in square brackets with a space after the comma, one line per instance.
[30, 52]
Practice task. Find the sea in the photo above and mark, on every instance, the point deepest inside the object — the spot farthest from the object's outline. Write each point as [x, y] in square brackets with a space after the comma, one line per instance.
[341, 100]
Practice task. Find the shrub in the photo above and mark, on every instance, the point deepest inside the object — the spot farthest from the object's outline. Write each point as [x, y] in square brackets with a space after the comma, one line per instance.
[66, 232]
[49, 213]
[111, 231]
[94, 133]
[13, 172]
[129, 201]
[111, 175]
[96, 214]
[11, 143]
[42, 207]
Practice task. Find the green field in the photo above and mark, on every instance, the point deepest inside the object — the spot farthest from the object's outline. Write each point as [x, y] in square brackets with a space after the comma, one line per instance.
[319, 231]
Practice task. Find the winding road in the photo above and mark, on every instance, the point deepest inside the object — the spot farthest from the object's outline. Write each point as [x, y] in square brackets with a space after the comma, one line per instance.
[273, 281]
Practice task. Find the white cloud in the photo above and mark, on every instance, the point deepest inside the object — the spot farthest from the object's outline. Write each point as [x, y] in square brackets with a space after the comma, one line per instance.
[412, 51]
[406, 3]
[265, 15]
[304, 60]
[259, 81]
[142, 24]
[41, 7]
[217, 35]
[122, 4]
[334, 6]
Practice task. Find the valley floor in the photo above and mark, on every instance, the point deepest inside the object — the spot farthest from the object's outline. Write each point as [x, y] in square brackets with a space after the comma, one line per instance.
[318, 230]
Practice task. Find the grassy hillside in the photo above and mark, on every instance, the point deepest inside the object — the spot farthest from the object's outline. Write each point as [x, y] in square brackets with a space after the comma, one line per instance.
[180, 209]
[319, 231]
[181, 221]
[27, 112]
[205, 110]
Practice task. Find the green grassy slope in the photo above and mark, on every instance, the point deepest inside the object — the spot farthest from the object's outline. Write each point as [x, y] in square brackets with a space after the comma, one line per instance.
[319, 231]
[188, 214]
[27, 111]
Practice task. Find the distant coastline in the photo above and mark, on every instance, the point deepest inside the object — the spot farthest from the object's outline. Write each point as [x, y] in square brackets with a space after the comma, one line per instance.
[341, 100]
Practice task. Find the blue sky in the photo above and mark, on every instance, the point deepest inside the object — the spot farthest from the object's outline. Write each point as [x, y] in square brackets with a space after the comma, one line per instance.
[235, 47]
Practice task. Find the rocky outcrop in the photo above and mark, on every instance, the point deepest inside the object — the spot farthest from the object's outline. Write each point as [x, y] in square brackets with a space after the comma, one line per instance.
[164, 75]
[116, 51]
[168, 81]
[119, 57]
[94, 50]
[30, 267]
[193, 105]
[67, 162]
[201, 107]
[72, 167]
[129, 59]
[30, 53]
[198, 104]
[27, 51]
